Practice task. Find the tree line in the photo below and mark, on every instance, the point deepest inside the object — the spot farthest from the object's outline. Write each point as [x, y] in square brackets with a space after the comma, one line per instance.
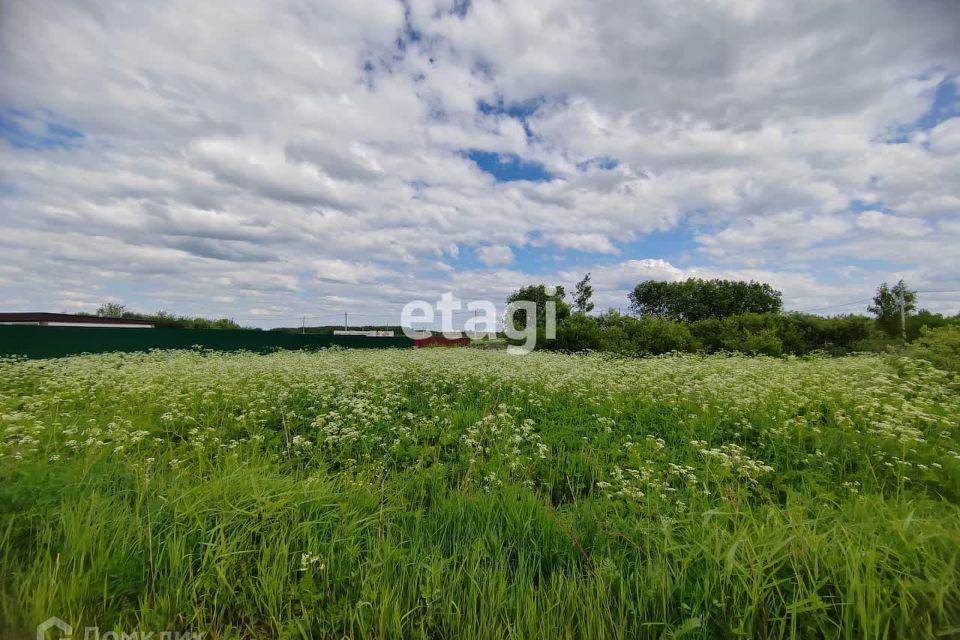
[699, 315]
[693, 315]
[165, 319]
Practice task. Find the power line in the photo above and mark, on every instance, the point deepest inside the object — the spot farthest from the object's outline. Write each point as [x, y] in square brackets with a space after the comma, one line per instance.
[842, 304]
[866, 300]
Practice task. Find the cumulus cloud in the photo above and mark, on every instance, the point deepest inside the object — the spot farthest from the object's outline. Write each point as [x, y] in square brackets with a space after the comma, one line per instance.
[893, 225]
[272, 160]
[495, 255]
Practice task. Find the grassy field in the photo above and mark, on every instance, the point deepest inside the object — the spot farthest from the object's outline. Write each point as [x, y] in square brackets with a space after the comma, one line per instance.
[472, 494]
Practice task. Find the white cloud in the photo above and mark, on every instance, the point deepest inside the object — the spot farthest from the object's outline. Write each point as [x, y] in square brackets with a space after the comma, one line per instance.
[342, 271]
[292, 157]
[944, 139]
[892, 225]
[495, 255]
[595, 242]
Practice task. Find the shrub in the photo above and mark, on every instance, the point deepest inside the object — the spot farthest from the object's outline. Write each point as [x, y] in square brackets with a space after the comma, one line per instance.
[755, 333]
[940, 346]
[640, 336]
[837, 335]
[763, 342]
[793, 333]
[579, 332]
[923, 318]
[655, 336]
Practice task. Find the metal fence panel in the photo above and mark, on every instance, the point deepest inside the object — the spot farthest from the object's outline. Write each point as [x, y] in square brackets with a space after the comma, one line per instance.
[54, 342]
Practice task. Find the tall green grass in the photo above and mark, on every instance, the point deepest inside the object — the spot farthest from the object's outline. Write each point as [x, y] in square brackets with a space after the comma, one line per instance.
[461, 494]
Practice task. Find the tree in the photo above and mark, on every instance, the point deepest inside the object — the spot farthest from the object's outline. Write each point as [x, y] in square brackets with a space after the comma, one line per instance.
[538, 294]
[697, 299]
[654, 298]
[582, 295]
[112, 310]
[165, 318]
[887, 304]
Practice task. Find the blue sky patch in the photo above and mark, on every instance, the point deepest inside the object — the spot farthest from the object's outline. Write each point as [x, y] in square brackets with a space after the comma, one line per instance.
[859, 206]
[36, 131]
[945, 105]
[507, 167]
[674, 246]
[516, 110]
[604, 163]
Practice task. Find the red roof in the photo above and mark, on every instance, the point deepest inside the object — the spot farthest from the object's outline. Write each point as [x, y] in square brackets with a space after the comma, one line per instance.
[68, 317]
[441, 341]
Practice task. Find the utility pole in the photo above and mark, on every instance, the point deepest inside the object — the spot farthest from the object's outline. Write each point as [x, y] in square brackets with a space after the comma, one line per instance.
[303, 325]
[344, 320]
[903, 315]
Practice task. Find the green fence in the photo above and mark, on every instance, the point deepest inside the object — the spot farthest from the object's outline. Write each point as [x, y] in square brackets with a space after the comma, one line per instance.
[53, 342]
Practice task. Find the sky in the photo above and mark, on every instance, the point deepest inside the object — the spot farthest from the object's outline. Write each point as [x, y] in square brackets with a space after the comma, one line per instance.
[279, 160]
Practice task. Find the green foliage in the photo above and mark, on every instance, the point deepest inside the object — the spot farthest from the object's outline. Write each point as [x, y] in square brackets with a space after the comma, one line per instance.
[887, 303]
[698, 299]
[939, 346]
[836, 335]
[643, 336]
[776, 334]
[582, 295]
[578, 333]
[112, 310]
[473, 494]
[540, 295]
[923, 318]
[766, 334]
[165, 319]
[624, 335]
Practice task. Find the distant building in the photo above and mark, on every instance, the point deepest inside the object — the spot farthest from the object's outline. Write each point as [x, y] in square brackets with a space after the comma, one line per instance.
[360, 332]
[71, 320]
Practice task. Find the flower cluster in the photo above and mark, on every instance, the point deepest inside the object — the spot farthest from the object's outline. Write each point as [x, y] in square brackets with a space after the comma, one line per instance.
[733, 457]
[674, 428]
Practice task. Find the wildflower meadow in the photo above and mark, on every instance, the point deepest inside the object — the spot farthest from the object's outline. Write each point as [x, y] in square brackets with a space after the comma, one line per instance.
[474, 494]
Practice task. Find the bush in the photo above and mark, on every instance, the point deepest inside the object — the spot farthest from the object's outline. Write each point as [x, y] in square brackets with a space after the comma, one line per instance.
[763, 342]
[640, 336]
[655, 336]
[925, 319]
[580, 332]
[754, 333]
[775, 334]
[940, 346]
[749, 333]
[626, 335]
[838, 335]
